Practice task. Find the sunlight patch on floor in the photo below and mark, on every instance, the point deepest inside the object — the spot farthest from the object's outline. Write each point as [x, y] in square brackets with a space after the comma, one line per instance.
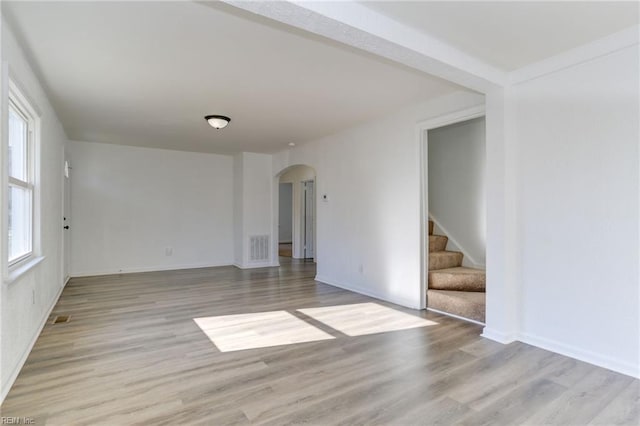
[365, 318]
[258, 330]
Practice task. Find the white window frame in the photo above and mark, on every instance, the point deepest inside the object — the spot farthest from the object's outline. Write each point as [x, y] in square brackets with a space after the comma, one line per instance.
[21, 104]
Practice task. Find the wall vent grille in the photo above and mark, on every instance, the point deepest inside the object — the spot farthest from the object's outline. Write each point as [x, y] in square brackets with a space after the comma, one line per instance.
[258, 248]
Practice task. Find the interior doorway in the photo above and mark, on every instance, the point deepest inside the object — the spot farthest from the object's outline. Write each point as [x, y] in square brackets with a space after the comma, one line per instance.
[285, 220]
[66, 221]
[296, 214]
[454, 214]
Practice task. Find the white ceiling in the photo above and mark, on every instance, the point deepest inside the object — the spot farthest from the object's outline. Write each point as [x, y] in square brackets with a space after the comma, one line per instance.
[512, 34]
[146, 73]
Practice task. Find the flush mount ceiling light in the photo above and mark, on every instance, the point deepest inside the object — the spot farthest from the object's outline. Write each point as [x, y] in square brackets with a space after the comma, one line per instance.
[217, 121]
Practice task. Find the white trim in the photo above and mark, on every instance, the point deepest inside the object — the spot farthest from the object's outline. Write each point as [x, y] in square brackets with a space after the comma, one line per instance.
[609, 363]
[148, 269]
[19, 104]
[18, 99]
[498, 336]
[423, 162]
[18, 261]
[6, 387]
[455, 316]
[65, 264]
[303, 219]
[421, 129]
[604, 46]
[19, 269]
[257, 265]
[20, 183]
[367, 292]
[458, 246]
[451, 118]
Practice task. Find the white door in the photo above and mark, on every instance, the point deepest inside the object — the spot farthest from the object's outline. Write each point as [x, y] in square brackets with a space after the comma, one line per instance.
[308, 199]
[66, 222]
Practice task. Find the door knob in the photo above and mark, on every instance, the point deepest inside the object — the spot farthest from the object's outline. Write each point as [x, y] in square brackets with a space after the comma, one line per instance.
[66, 227]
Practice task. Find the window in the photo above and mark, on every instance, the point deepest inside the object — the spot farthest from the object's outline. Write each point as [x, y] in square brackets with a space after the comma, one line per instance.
[20, 197]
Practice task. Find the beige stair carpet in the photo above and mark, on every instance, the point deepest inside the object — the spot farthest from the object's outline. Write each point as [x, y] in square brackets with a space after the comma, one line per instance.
[437, 243]
[458, 278]
[466, 304]
[444, 259]
[453, 288]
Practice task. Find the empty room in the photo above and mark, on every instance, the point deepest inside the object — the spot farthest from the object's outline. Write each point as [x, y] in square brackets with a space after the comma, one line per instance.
[349, 212]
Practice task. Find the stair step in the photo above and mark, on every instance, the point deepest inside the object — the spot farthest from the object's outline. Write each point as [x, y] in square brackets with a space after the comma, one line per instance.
[444, 260]
[458, 279]
[437, 243]
[467, 304]
[430, 227]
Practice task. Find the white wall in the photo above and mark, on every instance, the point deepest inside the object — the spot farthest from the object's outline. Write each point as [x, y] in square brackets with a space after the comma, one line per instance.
[129, 205]
[578, 133]
[27, 301]
[369, 231]
[296, 175]
[285, 216]
[238, 209]
[254, 202]
[456, 170]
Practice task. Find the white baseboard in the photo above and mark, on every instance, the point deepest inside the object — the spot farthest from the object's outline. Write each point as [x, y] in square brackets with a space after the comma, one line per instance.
[455, 316]
[603, 361]
[257, 265]
[148, 269]
[498, 336]
[6, 387]
[412, 304]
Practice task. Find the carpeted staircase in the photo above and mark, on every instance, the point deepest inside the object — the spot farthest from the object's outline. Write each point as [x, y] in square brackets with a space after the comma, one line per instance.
[452, 287]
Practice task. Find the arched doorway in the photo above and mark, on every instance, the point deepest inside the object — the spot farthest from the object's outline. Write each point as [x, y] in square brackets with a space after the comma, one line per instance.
[296, 212]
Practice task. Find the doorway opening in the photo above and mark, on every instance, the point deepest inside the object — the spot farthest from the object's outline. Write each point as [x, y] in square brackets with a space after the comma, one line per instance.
[66, 221]
[454, 215]
[285, 219]
[297, 213]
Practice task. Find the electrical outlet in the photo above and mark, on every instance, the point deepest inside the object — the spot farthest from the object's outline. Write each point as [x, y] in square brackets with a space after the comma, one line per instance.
[168, 251]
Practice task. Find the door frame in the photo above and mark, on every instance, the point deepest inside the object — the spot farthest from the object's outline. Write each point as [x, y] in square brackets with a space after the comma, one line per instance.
[422, 131]
[292, 184]
[275, 207]
[303, 218]
[66, 218]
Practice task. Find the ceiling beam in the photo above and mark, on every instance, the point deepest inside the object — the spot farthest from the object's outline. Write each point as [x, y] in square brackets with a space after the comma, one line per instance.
[358, 26]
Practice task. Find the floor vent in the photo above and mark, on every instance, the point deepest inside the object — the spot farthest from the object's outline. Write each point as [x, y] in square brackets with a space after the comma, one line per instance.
[60, 319]
[258, 248]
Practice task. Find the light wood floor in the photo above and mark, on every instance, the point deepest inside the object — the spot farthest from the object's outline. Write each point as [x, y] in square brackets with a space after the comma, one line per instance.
[133, 354]
[285, 249]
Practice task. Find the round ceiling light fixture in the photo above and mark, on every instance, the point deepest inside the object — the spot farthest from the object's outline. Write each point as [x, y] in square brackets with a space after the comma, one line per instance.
[217, 121]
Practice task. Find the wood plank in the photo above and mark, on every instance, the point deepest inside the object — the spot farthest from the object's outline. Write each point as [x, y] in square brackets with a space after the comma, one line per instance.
[133, 354]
